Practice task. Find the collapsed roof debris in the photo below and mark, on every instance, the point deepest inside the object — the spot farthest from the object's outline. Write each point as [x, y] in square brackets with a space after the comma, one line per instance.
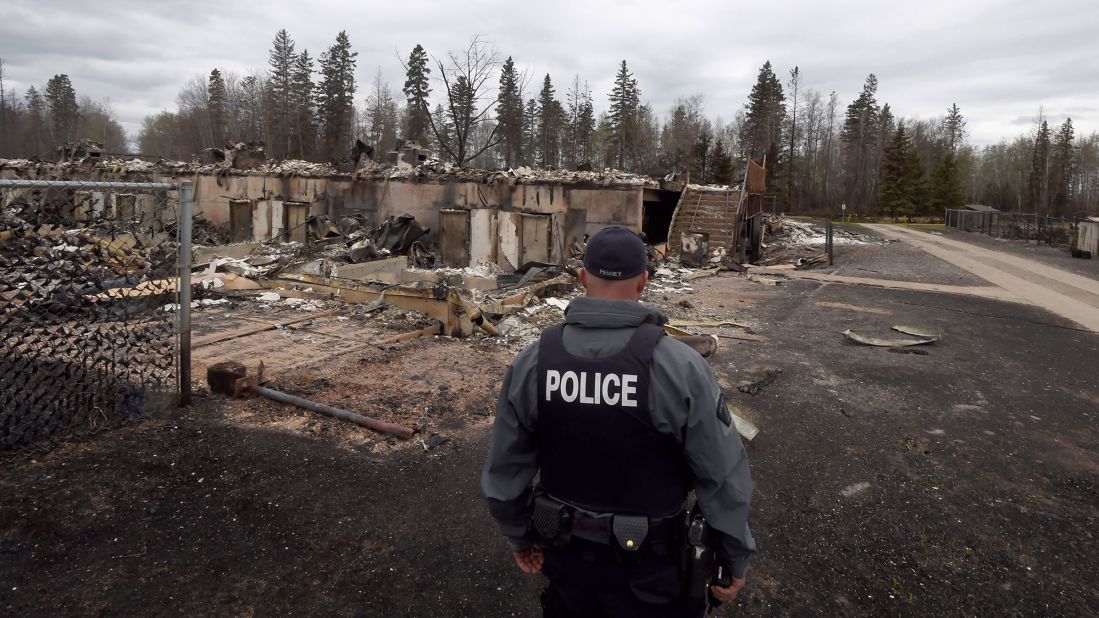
[802, 243]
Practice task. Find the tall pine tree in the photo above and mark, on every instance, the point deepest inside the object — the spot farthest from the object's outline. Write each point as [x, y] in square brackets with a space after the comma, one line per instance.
[1062, 169]
[763, 116]
[530, 133]
[417, 88]
[1038, 180]
[302, 106]
[946, 185]
[217, 107]
[954, 129]
[550, 115]
[899, 190]
[280, 95]
[35, 129]
[722, 164]
[509, 115]
[861, 138]
[336, 98]
[63, 110]
[580, 126]
[625, 104]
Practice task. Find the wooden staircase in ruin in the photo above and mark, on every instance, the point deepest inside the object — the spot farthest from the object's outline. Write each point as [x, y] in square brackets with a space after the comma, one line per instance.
[731, 217]
[711, 212]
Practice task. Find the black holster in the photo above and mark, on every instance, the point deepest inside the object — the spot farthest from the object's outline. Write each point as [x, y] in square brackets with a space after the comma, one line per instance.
[699, 562]
[551, 520]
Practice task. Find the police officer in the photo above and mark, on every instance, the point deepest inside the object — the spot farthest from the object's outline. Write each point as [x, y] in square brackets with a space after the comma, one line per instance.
[620, 422]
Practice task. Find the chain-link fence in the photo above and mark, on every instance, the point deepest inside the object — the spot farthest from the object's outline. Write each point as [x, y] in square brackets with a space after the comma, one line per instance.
[1028, 227]
[89, 307]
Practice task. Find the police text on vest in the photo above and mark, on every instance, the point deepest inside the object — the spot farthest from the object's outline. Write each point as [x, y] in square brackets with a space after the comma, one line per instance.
[610, 389]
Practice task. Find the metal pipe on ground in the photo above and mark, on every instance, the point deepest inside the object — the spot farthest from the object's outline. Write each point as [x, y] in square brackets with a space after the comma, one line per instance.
[231, 378]
[403, 433]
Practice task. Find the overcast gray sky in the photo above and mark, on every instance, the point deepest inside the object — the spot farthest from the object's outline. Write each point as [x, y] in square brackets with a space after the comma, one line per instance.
[999, 60]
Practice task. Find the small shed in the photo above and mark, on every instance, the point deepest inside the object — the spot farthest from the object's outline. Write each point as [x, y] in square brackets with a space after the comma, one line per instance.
[1085, 243]
[972, 217]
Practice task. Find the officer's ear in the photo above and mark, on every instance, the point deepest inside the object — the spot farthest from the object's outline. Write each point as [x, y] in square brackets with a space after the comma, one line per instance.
[582, 275]
[641, 281]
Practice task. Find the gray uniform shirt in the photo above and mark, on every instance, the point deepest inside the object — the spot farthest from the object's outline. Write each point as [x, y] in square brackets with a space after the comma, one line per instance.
[684, 401]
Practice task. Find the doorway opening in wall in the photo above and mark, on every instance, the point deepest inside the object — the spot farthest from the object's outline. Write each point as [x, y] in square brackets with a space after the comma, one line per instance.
[658, 206]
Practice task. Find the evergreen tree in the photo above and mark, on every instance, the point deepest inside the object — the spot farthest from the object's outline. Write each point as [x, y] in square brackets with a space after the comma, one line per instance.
[280, 95]
[860, 136]
[1062, 164]
[217, 106]
[1038, 180]
[550, 114]
[722, 164]
[416, 91]
[509, 115]
[336, 97]
[578, 126]
[701, 155]
[954, 128]
[63, 110]
[583, 127]
[302, 106]
[899, 191]
[625, 101]
[946, 185]
[764, 112]
[33, 143]
[530, 133]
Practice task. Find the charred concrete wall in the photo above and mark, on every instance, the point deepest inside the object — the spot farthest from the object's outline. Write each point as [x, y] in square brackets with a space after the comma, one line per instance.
[586, 209]
[510, 222]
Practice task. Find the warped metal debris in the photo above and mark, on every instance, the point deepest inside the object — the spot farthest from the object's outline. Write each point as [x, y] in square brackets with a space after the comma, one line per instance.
[919, 331]
[886, 343]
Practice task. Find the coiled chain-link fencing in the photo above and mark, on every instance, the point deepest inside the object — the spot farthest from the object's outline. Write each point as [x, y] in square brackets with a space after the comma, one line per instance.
[88, 307]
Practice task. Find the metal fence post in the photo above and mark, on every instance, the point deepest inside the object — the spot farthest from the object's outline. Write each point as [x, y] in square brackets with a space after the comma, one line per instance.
[186, 208]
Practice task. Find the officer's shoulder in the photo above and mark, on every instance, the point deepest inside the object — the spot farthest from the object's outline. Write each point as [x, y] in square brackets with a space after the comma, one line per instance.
[674, 353]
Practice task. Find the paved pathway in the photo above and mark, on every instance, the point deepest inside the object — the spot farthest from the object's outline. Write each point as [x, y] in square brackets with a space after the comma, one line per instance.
[1063, 293]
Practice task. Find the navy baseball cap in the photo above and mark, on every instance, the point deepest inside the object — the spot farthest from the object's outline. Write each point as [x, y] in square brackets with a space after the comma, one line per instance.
[615, 253]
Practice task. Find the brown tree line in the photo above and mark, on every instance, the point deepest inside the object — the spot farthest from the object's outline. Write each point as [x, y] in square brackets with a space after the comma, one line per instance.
[473, 107]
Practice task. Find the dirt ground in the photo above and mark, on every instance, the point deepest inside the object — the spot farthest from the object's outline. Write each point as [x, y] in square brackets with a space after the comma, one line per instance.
[957, 480]
[1058, 257]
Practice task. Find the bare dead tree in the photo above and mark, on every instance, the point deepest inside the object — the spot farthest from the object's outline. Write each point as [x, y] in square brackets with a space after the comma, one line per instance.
[468, 79]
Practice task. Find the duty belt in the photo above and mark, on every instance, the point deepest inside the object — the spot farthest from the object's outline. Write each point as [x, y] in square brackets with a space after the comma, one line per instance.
[556, 522]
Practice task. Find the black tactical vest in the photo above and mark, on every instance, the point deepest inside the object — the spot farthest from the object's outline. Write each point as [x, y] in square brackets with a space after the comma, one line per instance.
[597, 446]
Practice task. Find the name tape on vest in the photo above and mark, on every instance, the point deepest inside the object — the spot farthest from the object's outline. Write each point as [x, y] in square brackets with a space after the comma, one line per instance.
[603, 389]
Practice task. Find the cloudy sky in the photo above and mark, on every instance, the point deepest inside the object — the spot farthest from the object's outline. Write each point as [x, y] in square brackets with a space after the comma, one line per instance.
[999, 60]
